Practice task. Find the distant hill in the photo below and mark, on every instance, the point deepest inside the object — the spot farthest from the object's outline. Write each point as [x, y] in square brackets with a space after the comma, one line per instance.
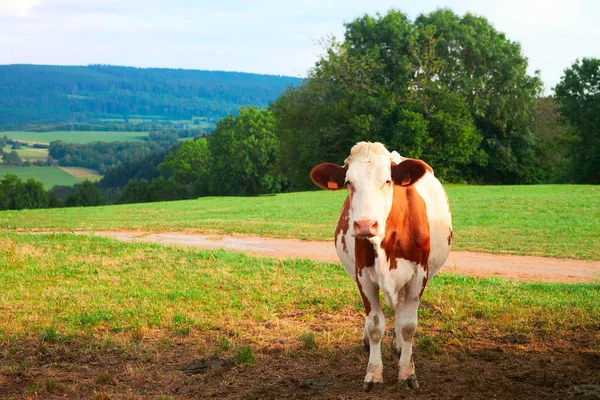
[47, 94]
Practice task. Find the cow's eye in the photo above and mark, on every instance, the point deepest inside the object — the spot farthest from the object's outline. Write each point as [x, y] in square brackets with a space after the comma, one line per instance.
[347, 184]
[388, 181]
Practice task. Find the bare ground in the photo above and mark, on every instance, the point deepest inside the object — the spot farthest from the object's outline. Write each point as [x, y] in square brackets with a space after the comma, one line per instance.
[152, 369]
[527, 268]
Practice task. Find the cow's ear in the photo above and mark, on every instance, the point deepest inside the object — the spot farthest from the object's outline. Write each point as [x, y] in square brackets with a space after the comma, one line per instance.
[328, 176]
[409, 171]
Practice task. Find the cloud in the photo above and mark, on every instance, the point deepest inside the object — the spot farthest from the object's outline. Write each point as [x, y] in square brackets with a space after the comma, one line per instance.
[17, 8]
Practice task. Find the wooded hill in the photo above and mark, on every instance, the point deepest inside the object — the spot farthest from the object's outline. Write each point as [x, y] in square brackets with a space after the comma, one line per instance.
[46, 94]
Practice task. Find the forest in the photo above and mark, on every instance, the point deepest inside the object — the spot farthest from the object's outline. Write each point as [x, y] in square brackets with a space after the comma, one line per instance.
[48, 94]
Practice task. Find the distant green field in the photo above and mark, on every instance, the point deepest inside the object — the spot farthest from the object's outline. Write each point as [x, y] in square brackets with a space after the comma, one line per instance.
[139, 119]
[31, 154]
[49, 176]
[74, 136]
[546, 220]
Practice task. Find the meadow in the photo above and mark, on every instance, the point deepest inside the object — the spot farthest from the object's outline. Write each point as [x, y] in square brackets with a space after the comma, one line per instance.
[73, 136]
[96, 318]
[49, 176]
[90, 317]
[32, 154]
[547, 220]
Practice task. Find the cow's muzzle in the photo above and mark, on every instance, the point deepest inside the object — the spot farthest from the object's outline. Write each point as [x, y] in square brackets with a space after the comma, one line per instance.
[366, 228]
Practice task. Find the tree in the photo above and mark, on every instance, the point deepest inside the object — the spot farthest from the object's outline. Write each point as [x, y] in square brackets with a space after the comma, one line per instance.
[162, 189]
[187, 164]
[554, 139]
[578, 94]
[17, 195]
[447, 89]
[86, 195]
[11, 158]
[136, 191]
[10, 187]
[243, 150]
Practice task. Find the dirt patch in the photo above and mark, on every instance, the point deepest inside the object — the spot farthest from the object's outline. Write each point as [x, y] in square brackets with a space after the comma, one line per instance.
[82, 173]
[150, 370]
[526, 268]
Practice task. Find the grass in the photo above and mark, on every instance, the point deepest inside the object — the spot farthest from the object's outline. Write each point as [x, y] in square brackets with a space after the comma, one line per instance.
[57, 287]
[73, 136]
[49, 176]
[545, 220]
[90, 317]
[32, 154]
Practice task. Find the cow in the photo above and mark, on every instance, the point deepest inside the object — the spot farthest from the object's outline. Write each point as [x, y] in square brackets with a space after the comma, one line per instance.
[394, 233]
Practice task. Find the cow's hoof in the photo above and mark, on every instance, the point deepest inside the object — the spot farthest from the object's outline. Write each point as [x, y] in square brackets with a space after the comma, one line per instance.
[411, 382]
[364, 345]
[372, 386]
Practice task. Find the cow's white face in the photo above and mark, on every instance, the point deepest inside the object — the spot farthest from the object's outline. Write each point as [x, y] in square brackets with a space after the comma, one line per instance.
[370, 174]
[370, 188]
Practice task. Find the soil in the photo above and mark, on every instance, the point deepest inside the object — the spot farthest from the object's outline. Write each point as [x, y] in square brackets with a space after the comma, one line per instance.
[528, 268]
[83, 370]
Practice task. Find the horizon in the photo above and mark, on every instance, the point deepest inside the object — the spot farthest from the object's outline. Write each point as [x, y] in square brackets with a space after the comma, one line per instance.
[133, 66]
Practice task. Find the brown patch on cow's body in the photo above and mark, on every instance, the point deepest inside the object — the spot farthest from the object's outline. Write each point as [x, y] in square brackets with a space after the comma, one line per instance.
[362, 294]
[408, 331]
[407, 229]
[364, 257]
[364, 254]
[343, 224]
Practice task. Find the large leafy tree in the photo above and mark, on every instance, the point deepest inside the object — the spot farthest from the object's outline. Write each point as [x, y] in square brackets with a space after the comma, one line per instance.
[578, 94]
[555, 137]
[243, 149]
[17, 195]
[189, 163]
[448, 89]
[86, 195]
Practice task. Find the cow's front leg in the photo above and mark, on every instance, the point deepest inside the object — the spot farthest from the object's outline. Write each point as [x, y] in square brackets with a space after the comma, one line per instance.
[406, 326]
[374, 330]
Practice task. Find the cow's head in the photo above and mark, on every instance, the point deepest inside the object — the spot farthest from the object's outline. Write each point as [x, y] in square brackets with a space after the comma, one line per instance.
[370, 174]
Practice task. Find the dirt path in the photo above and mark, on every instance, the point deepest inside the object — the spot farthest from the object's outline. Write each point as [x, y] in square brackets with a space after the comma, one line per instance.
[526, 268]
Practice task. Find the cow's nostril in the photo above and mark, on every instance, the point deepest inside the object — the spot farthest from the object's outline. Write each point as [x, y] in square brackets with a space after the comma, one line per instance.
[375, 226]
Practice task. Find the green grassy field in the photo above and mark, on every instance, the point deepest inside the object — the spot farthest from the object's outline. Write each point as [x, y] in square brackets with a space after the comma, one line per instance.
[90, 317]
[547, 220]
[31, 154]
[73, 136]
[49, 176]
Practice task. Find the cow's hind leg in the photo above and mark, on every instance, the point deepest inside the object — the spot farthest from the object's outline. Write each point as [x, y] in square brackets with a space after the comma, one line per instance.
[406, 326]
[374, 330]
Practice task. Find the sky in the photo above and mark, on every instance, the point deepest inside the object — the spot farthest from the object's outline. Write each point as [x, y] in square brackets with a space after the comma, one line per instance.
[280, 37]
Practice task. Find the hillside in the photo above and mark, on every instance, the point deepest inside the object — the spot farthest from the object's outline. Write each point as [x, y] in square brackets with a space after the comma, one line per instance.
[46, 94]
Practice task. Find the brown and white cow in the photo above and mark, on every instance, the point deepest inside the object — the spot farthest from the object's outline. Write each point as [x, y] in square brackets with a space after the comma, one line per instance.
[394, 234]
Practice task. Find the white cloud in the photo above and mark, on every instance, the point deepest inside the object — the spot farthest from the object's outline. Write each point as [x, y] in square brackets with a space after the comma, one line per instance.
[17, 8]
